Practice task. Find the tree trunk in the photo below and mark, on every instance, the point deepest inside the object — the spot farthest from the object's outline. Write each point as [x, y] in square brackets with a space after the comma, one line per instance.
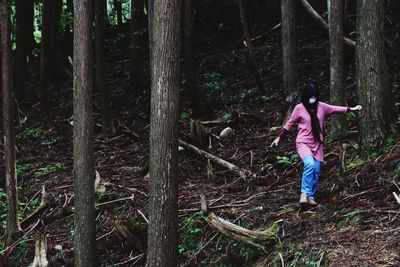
[163, 189]
[101, 83]
[44, 69]
[13, 226]
[337, 94]
[118, 11]
[289, 56]
[24, 37]
[85, 234]
[51, 12]
[372, 76]
[190, 73]
[137, 24]
[251, 58]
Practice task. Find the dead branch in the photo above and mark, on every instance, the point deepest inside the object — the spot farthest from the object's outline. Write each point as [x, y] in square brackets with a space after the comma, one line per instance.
[241, 172]
[323, 24]
[397, 197]
[42, 206]
[40, 259]
[262, 240]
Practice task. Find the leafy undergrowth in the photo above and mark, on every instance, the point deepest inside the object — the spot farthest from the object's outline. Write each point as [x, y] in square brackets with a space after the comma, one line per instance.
[356, 224]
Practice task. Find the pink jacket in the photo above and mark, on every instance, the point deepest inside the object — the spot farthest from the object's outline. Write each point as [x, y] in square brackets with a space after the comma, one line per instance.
[301, 117]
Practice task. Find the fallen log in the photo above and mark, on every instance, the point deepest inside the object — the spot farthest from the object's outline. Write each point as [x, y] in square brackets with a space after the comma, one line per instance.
[323, 24]
[223, 163]
[262, 240]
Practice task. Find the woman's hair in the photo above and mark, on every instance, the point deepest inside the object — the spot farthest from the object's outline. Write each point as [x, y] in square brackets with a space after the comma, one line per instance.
[309, 90]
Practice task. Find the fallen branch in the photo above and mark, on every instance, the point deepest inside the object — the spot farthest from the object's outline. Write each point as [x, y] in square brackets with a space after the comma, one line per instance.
[31, 216]
[397, 197]
[261, 240]
[323, 24]
[40, 259]
[241, 172]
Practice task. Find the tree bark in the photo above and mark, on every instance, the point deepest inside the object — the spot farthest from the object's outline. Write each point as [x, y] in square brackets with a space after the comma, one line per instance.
[85, 251]
[24, 37]
[137, 24]
[13, 226]
[337, 94]
[163, 189]
[101, 82]
[44, 69]
[251, 58]
[190, 72]
[372, 76]
[289, 56]
[51, 12]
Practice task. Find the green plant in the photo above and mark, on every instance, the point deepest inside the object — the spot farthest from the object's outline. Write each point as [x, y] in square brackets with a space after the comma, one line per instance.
[50, 142]
[227, 116]
[50, 168]
[185, 115]
[23, 168]
[30, 133]
[389, 142]
[351, 116]
[191, 233]
[212, 87]
[286, 162]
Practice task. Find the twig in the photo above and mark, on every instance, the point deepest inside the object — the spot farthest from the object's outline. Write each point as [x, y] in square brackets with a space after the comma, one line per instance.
[106, 234]
[138, 257]
[115, 200]
[282, 262]
[144, 217]
[396, 197]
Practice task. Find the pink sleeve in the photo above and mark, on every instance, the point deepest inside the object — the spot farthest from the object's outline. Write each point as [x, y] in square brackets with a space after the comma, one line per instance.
[294, 117]
[330, 109]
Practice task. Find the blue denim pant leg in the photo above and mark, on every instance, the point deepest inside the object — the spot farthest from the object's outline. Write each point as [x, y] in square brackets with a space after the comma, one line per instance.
[317, 168]
[311, 171]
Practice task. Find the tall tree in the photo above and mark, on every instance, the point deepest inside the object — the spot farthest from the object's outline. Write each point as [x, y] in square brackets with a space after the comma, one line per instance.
[190, 72]
[337, 94]
[372, 75]
[138, 21]
[13, 226]
[24, 37]
[85, 251]
[165, 81]
[101, 83]
[251, 62]
[289, 55]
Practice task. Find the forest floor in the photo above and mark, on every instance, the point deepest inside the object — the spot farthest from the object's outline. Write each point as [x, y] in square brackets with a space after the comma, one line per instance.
[356, 223]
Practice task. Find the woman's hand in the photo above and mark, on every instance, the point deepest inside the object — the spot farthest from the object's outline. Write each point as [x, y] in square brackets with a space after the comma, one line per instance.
[276, 142]
[356, 108]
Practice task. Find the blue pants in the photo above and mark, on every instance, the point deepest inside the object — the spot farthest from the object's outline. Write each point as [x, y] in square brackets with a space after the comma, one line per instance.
[311, 172]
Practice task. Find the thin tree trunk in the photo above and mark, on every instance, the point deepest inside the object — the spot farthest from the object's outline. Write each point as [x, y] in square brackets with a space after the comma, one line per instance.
[251, 58]
[190, 72]
[22, 41]
[163, 189]
[337, 94]
[101, 82]
[372, 76]
[289, 56]
[44, 70]
[137, 24]
[85, 234]
[13, 226]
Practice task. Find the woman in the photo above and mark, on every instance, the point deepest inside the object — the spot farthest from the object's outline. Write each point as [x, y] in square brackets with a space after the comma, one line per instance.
[309, 116]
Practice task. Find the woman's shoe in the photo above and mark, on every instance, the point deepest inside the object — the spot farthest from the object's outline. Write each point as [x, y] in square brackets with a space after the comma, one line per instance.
[303, 198]
[312, 202]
